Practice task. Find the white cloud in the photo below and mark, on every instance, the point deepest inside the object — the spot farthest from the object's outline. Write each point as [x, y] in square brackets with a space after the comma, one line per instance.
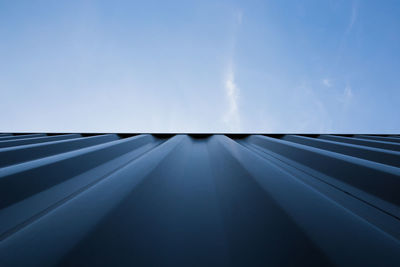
[348, 93]
[231, 117]
[308, 111]
[327, 82]
[239, 17]
[349, 28]
[353, 17]
[347, 96]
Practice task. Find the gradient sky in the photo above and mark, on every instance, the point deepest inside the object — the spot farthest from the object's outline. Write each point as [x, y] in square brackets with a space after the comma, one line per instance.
[200, 66]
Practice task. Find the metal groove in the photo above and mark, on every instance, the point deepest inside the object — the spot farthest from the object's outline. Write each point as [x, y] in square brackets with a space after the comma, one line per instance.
[199, 200]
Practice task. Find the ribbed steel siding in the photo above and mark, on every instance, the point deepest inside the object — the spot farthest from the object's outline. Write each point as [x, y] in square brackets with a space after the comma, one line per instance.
[76, 200]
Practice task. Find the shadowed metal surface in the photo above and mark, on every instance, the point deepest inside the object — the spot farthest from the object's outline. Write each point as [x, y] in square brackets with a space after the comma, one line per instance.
[199, 200]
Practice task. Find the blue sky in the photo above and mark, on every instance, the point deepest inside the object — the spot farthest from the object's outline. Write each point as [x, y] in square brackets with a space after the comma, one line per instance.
[200, 66]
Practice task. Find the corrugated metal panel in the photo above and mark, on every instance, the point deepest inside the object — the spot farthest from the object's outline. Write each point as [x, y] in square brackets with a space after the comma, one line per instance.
[144, 200]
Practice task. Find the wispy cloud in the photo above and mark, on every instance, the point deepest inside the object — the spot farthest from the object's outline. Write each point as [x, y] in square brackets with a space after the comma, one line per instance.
[239, 17]
[309, 111]
[327, 82]
[231, 116]
[347, 96]
[350, 25]
[348, 93]
[353, 17]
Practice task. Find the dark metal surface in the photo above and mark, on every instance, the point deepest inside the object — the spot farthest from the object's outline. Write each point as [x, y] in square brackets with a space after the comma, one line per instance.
[199, 200]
